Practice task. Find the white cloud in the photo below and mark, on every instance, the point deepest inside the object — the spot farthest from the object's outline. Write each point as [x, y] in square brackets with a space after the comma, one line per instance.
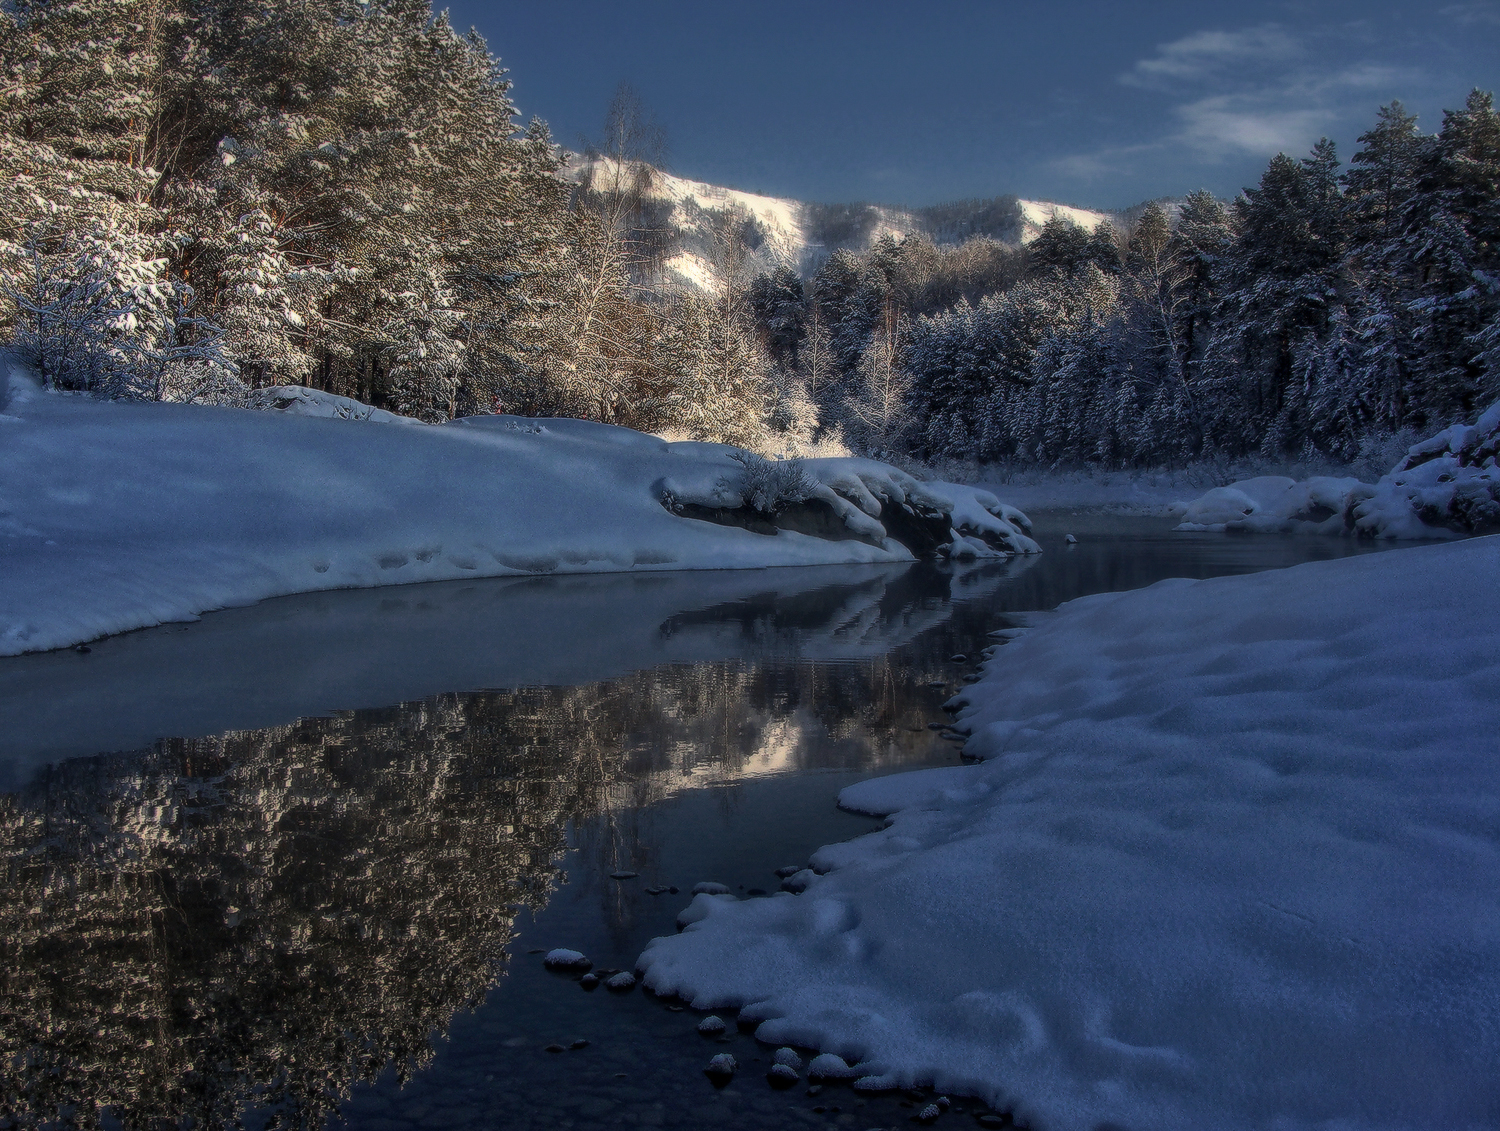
[1481, 14]
[1206, 54]
[1226, 124]
[1252, 92]
[1286, 114]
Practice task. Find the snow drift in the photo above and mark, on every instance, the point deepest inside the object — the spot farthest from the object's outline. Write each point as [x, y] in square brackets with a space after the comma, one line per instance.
[1447, 486]
[117, 515]
[1234, 862]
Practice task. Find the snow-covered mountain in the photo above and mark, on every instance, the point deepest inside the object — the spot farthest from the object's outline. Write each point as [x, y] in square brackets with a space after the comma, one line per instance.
[801, 234]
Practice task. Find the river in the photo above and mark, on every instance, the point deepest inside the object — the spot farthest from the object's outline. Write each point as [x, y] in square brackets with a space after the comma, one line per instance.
[296, 864]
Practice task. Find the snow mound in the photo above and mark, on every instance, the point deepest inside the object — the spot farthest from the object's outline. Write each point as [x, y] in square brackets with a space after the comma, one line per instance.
[1234, 861]
[564, 959]
[1447, 486]
[122, 515]
[828, 1066]
[298, 400]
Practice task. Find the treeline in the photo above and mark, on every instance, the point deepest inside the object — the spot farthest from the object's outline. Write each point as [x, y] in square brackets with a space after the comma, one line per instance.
[1322, 308]
[203, 197]
[199, 198]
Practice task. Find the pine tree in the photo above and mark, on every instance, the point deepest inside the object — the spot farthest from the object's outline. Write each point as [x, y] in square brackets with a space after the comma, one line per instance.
[1282, 280]
[1061, 245]
[1449, 252]
[779, 306]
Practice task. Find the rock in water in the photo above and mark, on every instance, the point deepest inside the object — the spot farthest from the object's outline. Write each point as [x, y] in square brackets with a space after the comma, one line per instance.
[563, 959]
[876, 1084]
[929, 1113]
[621, 982]
[789, 1058]
[827, 1066]
[782, 1076]
[797, 884]
[958, 658]
[709, 888]
[1070, 540]
[721, 1069]
[589, 981]
[623, 875]
[789, 870]
[712, 1026]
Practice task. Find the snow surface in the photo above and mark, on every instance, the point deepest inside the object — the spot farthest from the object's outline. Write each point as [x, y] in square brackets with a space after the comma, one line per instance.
[1445, 487]
[1234, 861]
[116, 515]
[1036, 213]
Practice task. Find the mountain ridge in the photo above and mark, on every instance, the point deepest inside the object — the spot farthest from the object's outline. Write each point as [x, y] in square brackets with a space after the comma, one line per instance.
[785, 232]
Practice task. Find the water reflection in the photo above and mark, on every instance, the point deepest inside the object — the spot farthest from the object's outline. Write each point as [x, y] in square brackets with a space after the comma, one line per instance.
[250, 922]
[233, 929]
[312, 653]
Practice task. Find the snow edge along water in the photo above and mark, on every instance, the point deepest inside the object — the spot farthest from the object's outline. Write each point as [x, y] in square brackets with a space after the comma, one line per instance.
[123, 515]
[1232, 861]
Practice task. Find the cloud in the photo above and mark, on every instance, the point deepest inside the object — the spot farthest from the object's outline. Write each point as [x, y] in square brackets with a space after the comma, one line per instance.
[1286, 114]
[1209, 54]
[1225, 124]
[1471, 15]
[1253, 92]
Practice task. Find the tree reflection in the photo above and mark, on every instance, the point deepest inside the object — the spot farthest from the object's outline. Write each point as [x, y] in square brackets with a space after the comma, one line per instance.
[235, 929]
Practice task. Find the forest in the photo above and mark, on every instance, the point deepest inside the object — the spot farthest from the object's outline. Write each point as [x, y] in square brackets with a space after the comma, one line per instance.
[204, 198]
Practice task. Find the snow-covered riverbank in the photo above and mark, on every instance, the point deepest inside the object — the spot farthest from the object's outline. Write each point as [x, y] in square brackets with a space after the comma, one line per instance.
[116, 516]
[1234, 860]
[1447, 486]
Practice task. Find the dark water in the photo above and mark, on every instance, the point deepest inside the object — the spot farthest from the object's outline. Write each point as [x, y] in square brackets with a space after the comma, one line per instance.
[289, 865]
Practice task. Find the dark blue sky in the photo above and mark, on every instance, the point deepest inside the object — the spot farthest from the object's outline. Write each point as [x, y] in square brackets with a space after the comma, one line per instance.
[1100, 104]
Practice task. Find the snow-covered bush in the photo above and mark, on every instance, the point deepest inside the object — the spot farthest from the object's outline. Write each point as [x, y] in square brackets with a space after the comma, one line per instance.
[771, 485]
[298, 400]
[95, 315]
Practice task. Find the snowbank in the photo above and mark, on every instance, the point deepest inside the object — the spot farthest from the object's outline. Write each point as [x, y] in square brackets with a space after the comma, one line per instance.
[118, 515]
[1448, 486]
[1235, 863]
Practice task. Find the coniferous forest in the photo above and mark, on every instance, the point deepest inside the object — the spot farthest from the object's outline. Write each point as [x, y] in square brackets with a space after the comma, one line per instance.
[203, 198]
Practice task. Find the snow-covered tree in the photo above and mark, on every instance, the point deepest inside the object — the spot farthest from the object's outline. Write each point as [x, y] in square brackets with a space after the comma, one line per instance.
[877, 406]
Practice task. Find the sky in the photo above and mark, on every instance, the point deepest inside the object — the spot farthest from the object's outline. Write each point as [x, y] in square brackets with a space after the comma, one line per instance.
[1100, 103]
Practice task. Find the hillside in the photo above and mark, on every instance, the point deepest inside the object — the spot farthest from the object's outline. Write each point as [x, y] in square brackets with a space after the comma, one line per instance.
[802, 234]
